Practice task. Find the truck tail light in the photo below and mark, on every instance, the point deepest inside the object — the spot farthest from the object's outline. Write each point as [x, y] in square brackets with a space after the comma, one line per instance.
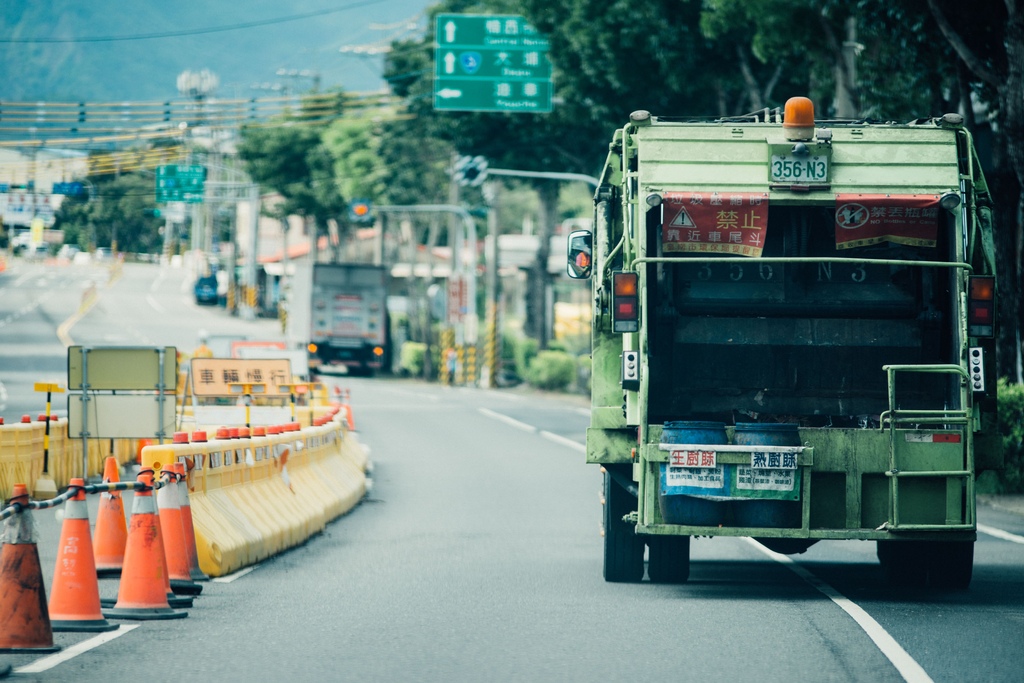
[981, 306]
[625, 302]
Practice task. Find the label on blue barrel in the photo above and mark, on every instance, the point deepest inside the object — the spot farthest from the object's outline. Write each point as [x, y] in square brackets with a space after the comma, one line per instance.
[772, 484]
[693, 481]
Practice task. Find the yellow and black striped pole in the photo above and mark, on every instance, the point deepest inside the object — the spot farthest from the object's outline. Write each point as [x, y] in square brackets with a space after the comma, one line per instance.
[446, 373]
[471, 365]
[491, 347]
[45, 487]
[460, 364]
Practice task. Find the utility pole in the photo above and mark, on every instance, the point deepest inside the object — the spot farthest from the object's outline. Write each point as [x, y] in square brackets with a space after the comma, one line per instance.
[249, 305]
[492, 352]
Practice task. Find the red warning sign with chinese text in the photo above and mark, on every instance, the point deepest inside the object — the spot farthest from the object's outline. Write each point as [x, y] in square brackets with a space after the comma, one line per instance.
[864, 219]
[715, 222]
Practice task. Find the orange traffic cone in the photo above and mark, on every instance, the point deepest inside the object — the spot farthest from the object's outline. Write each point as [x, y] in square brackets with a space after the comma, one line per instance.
[24, 621]
[143, 591]
[111, 528]
[75, 599]
[174, 536]
[194, 571]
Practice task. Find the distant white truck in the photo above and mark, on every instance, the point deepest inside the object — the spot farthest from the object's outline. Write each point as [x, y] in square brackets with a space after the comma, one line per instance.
[339, 310]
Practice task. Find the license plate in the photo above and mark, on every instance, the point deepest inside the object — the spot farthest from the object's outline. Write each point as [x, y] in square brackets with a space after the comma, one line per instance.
[786, 168]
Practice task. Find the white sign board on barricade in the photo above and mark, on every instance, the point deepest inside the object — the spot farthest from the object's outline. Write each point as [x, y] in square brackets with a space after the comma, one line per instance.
[120, 416]
[262, 416]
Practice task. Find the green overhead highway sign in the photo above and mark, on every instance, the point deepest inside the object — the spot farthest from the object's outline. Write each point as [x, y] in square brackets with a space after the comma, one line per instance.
[180, 183]
[485, 62]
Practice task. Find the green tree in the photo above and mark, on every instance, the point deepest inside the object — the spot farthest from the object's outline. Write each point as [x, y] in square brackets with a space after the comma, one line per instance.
[120, 209]
[862, 59]
[988, 39]
[294, 162]
[358, 168]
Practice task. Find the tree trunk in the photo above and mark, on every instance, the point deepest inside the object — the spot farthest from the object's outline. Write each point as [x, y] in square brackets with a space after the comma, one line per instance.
[1011, 125]
[536, 305]
[1007, 178]
[847, 104]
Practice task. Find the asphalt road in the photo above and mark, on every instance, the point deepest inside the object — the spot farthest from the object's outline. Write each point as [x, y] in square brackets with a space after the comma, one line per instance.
[477, 556]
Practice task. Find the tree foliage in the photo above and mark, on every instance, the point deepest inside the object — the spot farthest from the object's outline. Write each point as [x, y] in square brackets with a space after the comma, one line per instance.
[870, 59]
[120, 208]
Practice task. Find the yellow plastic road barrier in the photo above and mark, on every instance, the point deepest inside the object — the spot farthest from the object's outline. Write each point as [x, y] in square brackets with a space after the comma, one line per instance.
[256, 494]
[219, 473]
[27, 444]
[221, 547]
[243, 493]
[285, 515]
[282, 449]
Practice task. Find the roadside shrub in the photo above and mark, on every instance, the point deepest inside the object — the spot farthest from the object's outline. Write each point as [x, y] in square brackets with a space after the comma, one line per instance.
[1011, 428]
[411, 358]
[551, 370]
[524, 349]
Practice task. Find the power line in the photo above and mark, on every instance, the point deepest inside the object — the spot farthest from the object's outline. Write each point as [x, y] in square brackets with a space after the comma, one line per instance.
[195, 32]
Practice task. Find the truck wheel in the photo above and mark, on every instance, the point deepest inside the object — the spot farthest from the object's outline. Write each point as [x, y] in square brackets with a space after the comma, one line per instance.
[669, 559]
[952, 564]
[905, 563]
[623, 549]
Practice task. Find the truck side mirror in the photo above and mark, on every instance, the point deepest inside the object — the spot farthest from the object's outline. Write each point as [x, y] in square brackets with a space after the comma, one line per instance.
[581, 254]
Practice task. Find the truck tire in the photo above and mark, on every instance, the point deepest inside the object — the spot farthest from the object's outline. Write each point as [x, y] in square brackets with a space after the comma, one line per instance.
[905, 563]
[952, 564]
[668, 560]
[623, 549]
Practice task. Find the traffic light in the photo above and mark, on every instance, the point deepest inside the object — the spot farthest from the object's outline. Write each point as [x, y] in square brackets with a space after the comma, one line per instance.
[471, 171]
[156, 213]
[359, 211]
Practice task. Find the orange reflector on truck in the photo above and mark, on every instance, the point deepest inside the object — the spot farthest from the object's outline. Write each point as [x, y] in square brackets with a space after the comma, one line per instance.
[625, 284]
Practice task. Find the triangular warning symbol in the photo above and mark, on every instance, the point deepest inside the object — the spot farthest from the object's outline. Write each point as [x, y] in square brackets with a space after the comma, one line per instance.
[682, 219]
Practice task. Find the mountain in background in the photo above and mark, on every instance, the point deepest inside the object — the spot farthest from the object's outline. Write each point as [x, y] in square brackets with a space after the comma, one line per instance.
[95, 70]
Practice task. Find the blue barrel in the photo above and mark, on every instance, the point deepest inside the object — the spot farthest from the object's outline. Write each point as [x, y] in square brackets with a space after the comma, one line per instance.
[766, 513]
[696, 503]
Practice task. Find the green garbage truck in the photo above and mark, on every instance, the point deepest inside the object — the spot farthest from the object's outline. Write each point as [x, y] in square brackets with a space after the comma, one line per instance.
[793, 339]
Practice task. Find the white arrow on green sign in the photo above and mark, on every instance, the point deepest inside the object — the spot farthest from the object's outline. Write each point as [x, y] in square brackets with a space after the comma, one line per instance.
[487, 62]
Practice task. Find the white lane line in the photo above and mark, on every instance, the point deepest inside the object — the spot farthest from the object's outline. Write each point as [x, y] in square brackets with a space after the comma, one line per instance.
[999, 533]
[3, 396]
[582, 411]
[47, 663]
[907, 667]
[237, 575]
[508, 420]
[559, 439]
[414, 394]
[155, 304]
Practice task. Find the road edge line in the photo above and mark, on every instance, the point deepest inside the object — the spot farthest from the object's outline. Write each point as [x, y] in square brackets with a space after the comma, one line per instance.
[237, 575]
[64, 329]
[50, 661]
[999, 533]
[564, 441]
[508, 420]
[906, 665]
